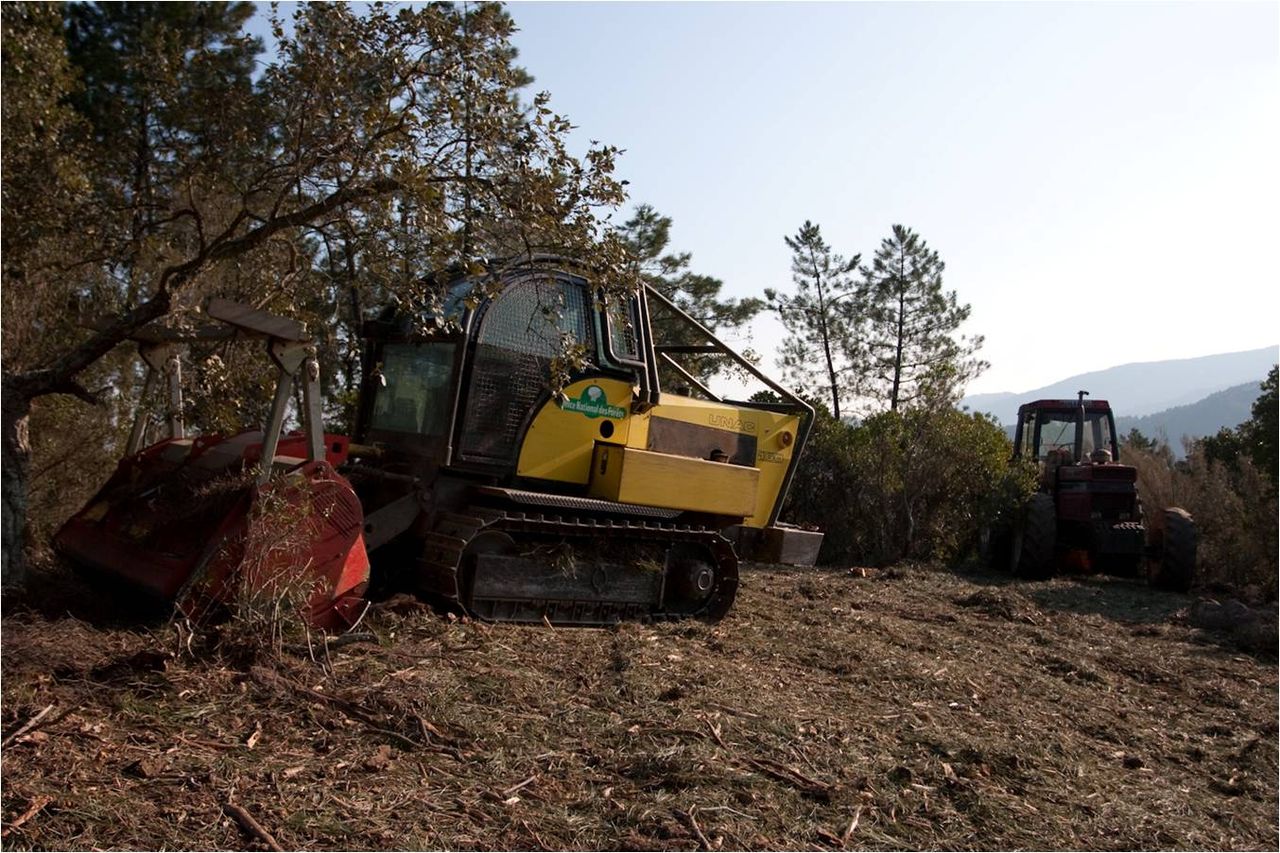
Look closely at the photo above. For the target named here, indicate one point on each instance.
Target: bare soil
(906, 708)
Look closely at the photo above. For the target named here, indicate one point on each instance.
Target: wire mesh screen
(531, 322)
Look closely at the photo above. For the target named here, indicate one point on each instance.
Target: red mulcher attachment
(215, 520)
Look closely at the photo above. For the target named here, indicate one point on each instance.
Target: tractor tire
(1034, 539)
(1176, 569)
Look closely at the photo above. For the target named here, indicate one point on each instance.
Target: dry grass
(904, 708)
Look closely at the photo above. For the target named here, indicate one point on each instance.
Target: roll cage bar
(714, 346)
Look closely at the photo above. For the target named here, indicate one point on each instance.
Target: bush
(822, 487)
(917, 484)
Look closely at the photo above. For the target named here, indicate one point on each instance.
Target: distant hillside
(1226, 408)
(1144, 388)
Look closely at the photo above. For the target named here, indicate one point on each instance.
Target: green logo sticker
(593, 404)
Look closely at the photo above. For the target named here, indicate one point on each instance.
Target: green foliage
(148, 72)
(910, 352)
(820, 319)
(914, 484)
(46, 185)
(1254, 440)
(71, 462)
(765, 396)
(1137, 441)
(1262, 431)
(647, 235)
(1225, 447)
(380, 143)
(821, 488)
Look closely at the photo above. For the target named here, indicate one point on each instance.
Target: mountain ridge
(1226, 408)
(1139, 389)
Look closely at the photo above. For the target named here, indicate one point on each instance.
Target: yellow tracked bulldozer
(471, 478)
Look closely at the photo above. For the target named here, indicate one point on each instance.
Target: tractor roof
(1064, 405)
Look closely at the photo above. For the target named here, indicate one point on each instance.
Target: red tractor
(1086, 514)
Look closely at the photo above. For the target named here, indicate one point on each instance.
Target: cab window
(413, 394)
(1057, 430)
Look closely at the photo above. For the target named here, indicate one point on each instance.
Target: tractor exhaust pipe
(1079, 448)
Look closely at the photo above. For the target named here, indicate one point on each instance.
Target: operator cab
(1074, 429)
(457, 382)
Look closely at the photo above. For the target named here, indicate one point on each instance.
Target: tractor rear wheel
(1177, 567)
(1033, 541)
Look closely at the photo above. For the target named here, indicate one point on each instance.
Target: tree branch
(57, 378)
(174, 278)
(72, 388)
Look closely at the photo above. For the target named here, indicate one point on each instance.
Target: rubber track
(444, 548)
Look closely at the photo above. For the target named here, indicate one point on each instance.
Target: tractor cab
(1066, 431)
(1074, 445)
(459, 382)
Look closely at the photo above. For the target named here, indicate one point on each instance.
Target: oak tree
(144, 172)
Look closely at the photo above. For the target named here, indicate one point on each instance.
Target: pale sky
(1100, 178)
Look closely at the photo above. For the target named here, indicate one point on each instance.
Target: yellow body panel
(633, 476)
(560, 440)
(775, 436)
(563, 436)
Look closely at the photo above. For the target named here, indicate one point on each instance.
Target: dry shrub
(1234, 509)
(273, 583)
(264, 618)
(1157, 486)
(914, 485)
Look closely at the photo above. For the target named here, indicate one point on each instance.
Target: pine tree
(910, 352)
(647, 235)
(1262, 430)
(820, 318)
(149, 72)
(1138, 441)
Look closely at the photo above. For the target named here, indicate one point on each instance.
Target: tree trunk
(897, 354)
(826, 338)
(16, 461)
(831, 374)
